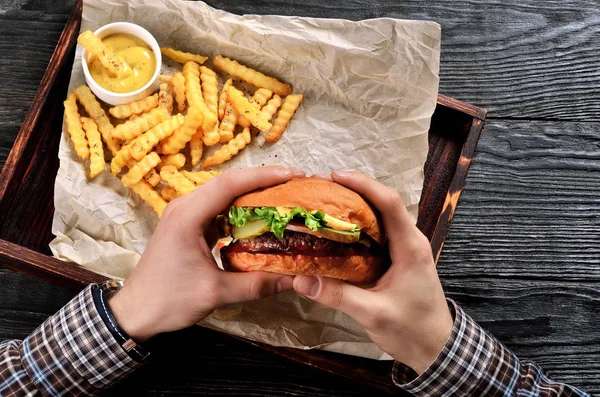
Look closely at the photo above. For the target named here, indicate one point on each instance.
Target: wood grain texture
(522, 255)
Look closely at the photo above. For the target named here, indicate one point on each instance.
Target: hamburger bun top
(316, 194)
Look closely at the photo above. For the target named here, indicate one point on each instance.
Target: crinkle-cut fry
(178, 84)
(165, 97)
(176, 180)
(135, 107)
(169, 194)
(271, 107)
(153, 177)
(260, 97)
(210, 138)
(223, 99)
(94, 110)
(141, 168)
(166, 78)
(121, 159)
(176, 160)
(197, 147)
(228, 151)
(181, 136)
(200, 177)
(97, 162)
(74, 127)
(182, 57)
(150, 196)
(228, 123)
(144, 143)
(245, 108)
(131, 129)
(210, 88)
(251, 76)
(291, 103)
(115, 65)
(193, 92)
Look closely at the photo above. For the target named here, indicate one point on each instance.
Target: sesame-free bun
(319, 194)
(354, 269)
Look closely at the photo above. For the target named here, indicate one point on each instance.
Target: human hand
(177, 282)
(405, 313)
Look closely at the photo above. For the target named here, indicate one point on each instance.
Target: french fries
(182, 57)
(260, 97)
(209, 138)
(154, 140)
(121, 159)
(200, 177)
(92, 107)
(176, 160)
(74, 127)
(165, 98)
(153, 177)
(183, 134)
(135, 107)
(210, 89)
(143, 144)
(291, 103)
(178, 82)
(228, 151)
(197, 147)
(133, 128)
(228, 123)
(245, 108)
(169, 194)
(223, 99)
(97, 162)
(115, 65)
(251, 76)
(176, 180)
(191, 72)
(141, 168)
(271, 107)
(150, 196)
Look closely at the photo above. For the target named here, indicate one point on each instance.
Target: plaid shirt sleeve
(71, 353)
(474, 363)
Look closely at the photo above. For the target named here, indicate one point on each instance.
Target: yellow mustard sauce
(138, 56)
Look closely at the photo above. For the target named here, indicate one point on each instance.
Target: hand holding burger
(406, 312)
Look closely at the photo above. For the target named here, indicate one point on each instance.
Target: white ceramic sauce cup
(115, 98)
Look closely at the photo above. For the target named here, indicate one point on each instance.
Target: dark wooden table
(523, 253)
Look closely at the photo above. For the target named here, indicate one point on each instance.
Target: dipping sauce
(137, 54)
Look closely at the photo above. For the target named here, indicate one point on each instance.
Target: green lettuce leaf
(277, 222)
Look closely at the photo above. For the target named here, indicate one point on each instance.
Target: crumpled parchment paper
(370, 88)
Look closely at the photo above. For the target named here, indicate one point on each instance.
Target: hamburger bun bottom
(354, 269)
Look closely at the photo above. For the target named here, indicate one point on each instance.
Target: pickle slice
(342, 236)
(250, 229)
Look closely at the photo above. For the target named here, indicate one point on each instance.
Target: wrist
(429, 344)
(131, 315)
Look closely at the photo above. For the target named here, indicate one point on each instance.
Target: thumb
(243, 287)
(352, 300)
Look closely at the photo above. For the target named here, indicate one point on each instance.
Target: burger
(307, 226)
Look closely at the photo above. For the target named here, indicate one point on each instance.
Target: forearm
(474, 363)
(71, 353)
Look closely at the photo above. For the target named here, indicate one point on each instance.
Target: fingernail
(284, 172)
(285, 283)
(309, 286)
(297, 172)
(343, 173)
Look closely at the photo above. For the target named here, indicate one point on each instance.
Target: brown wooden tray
(27, 195)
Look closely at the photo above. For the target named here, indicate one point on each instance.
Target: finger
(388, 202)
(243, 287)
(352, 300)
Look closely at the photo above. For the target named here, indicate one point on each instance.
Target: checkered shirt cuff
(73, 352)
